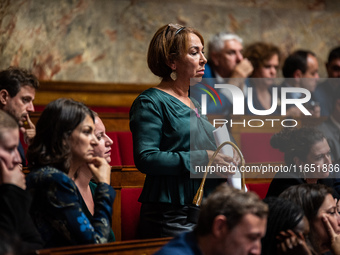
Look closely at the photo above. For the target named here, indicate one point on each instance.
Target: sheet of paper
(221, 135)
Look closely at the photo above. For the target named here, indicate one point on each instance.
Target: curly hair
(294, 142)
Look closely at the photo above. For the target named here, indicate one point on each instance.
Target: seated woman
(64, 142)
(307, 155)
(265, 59)
(82, 177)
(320, 209)
(287, 229)
(170, 135)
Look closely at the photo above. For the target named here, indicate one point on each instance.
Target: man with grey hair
(227, 65)
(231, 221)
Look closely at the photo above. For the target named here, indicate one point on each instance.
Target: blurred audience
(307, 155)
(321, 211)
(231, 221)
(301, 70)
(287, 229)
(324, 91)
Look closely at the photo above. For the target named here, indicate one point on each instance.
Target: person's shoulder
(184, 243)
(47, 175)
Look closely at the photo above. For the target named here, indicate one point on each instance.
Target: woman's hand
(292, 243)
(225, 165)
(100, 169)
(334, 237)
(14, 176)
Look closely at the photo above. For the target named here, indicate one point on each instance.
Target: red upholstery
(126, 148)
(115, 154)
(130, 212)
(260, 189)
(256, 148)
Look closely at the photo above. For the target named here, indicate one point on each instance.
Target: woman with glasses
(170, 135)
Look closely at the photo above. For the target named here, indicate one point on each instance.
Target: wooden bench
(136, 247)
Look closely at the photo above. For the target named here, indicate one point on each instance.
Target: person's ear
(297, 74)
(172, 64)
(219, 228)
(214, 58)
(298, 162)
(4, 96)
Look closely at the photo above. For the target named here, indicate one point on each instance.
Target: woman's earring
(173, 75)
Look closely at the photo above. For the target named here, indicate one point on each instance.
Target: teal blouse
(169, 139)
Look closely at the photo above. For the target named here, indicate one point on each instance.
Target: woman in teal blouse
(170, 136)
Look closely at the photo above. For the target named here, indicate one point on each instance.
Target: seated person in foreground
(14, 200)
(64, 142)
(287, 229)
(82, 178)
(321, 211)
(307, 156)
(231, 221)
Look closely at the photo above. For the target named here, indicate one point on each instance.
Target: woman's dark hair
(283, 215)
(310, 197)
(296, 61)
(295, 142)
(168, 43)
(55, 125)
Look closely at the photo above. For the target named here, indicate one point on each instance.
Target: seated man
(301, 70)
(14, 200)
(231, 221)
(324, 92)
(331, 128)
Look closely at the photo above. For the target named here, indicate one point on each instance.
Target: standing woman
(64, 142)
(162, 120)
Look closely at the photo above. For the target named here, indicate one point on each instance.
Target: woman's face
(267, 70)
(328, 208)
(318, 160)
(83, 141)
(8, 148)
(104, 142)
(191, 65)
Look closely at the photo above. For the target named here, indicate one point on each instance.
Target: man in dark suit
(324, 92)
(17, 92)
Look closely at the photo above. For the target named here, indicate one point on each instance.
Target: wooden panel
(92, 94)
(145, 247)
